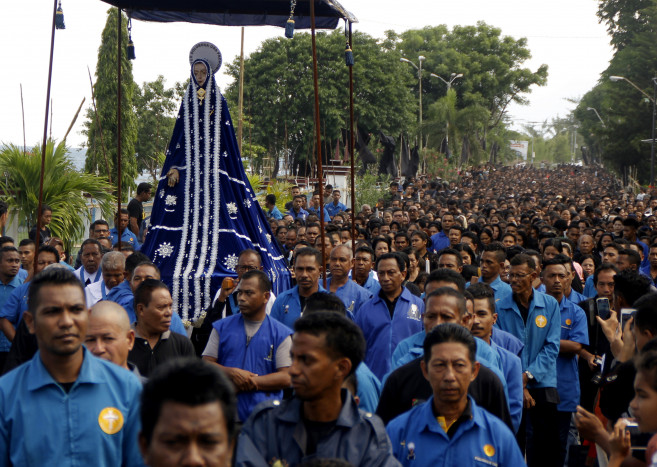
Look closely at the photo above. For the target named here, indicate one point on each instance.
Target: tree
(102, 155)
(279, 98)
(64, 189)
(155, 108)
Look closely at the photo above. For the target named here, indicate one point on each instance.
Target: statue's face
(200, 73)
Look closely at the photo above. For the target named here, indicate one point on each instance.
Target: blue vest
(258, 356)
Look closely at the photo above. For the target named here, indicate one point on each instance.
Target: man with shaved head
(109, 335)
(352, 295)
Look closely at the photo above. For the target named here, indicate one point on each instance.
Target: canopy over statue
(205, 211)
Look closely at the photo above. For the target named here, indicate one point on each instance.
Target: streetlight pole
(652, 140)
(421, 58)
(599, 117)
(452, 77)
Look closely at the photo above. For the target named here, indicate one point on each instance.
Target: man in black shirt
(136, 208)
(154, 342)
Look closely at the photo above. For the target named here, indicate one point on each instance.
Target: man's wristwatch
(530, 377)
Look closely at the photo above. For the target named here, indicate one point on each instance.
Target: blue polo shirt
(287, 307)
(301, 215)
(351, 294)
(127, 237)
(333, 209)
(382, 333)
(573, 328)
(481, 440)
(95, 423)
(540, 335)
(5, 292)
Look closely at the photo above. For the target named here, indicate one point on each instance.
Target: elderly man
(450, 428)
(155, 343)
(38, 399)
(109, 335)
(89, 272)
(112, 267)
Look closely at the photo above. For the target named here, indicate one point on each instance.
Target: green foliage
(64, 189)
(439, 166)
(106, 92)
(155, 108)
(279, 96)
(626, 112)
(370, 188)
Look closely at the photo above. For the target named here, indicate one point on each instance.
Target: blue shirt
(589, 287)
(315, 211)
(351, 294)
(16, 304)
(369, 388)
(302, 214)
(287, 307)
(5, 293)
(573, 328)
(439, 241)
(22, 274)
(512, 368)
(576, 297)
(333, 209)
(500, 288)
(127, 236)
(382, 333)
(41, 424)
(257, 355)
(506, 340)
(540, 335)
(275, 213)
(372, 285)
(481, 440)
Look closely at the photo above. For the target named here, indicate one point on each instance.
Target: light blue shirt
(351, 294)
(41, 424)
(287, 307)
(5, 291)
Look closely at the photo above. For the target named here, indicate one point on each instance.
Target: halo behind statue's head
(208, 52)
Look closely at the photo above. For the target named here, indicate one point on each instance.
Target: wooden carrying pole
(37, 240)
(318, 134)
(351, 151)
(118, 134)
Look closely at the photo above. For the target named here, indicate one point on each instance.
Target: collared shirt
(383, 333)
(5, 292)
(418, 440)
(351, 294)
(169, 346)
(333, 209)
(276, 432)
(576, 297)
(315, 211)
(512, 368)
(84, 276)
(16, 304)
(540, 335)
(500, 288)
(275, 213)
(371, 284)
(287, 307)
(127, 236)
(302, 214)
(573, 328)
(369, 388)
(506, 340)
(95, 423)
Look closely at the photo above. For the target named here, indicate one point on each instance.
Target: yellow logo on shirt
(569, 322)
(110, 420)
(541, 321)
(489, 450)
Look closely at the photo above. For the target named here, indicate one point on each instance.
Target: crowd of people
(505, 318)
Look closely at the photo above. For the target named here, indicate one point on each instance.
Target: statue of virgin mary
(205, 211)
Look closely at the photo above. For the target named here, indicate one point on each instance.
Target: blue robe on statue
(201, 224)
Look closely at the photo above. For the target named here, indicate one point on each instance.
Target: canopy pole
(37, 239)
(118, 132)
(318, 134)
(351, 151)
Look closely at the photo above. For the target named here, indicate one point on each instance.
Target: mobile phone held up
(604, 311)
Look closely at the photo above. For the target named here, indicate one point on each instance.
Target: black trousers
(543, 446)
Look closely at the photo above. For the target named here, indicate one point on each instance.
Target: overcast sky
(563, 34)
